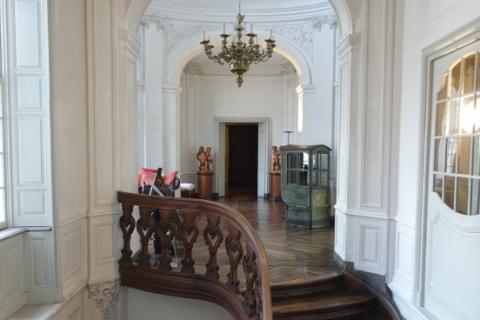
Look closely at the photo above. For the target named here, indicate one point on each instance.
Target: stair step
(309, 287)
(335, 304)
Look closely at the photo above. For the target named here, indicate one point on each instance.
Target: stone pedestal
(275, 185)
(205, 185)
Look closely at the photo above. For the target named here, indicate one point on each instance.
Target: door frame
(264, 156)
(454, 41)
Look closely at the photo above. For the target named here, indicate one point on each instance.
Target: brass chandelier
(239, 54)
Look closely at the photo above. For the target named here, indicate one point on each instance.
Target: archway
(301, 63)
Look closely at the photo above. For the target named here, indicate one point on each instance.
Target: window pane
(469, 74)
(462, 196)
(464, 155)
(438, 184)
(2, 206)
(475, 197)
(449, 191)
(455, 80)
(476, 156)
(441, 120)
(476, 115)
(478, 71)
(452, 117)
(467, 115)
(451, 160)
(442, 94)
(440, 152)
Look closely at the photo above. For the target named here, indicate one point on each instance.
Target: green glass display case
(306, 185)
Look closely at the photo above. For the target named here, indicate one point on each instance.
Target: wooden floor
(294, 253)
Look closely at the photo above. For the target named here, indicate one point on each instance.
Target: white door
(452, 274)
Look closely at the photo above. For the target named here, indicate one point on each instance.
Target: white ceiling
(231, 6)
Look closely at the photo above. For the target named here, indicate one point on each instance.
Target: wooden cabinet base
(205, 185)
(275, 186)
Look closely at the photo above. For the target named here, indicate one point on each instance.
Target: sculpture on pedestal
(276, 162)
(205, 159)
(205, 173)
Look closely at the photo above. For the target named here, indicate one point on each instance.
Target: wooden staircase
(339, 297)
(232, 267)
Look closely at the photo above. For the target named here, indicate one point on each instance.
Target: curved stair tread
(335, 300)
(306, 287)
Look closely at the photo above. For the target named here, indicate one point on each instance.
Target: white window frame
(4, 111)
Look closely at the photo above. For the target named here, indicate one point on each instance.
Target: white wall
(146, 305)
(208, 98)
(435, 19)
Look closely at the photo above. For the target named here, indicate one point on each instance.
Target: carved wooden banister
(207, 251)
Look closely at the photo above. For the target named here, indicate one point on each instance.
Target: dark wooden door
(242, 155)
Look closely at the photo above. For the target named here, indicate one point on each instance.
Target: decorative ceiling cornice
(305, 12)
(300, 32)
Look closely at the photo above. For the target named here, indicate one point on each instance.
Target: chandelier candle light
(240, 55)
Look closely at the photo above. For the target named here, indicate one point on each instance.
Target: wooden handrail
(179, 222)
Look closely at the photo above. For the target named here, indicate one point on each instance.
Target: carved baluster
(213, 238)
(258, 296)
(188, 231)
(235, 255)
(145, 230)
(251, 274)
(127, 224)
(166, 232)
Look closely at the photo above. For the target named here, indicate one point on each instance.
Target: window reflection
(449, 192)
(462, 196)
(456, 158)
(475, 197)
(468, 74)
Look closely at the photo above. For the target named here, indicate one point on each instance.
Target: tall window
(3, 211)
(456, 176)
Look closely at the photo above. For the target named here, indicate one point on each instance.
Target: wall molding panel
(364, 153)
(12, 282)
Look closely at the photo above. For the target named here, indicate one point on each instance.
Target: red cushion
(170, 177)
(146, 176)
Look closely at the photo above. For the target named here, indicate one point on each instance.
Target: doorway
(453, 196)
(241, 159)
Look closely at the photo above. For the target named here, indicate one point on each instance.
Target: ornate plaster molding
(105, 295)
(318, 22)
(193, 69)
(287, 69)
(299, 32)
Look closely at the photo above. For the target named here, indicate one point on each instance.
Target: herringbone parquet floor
(294, 253)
